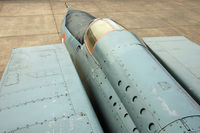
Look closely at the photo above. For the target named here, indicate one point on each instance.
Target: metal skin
(41, 92)
(180, 57)
(132, 91)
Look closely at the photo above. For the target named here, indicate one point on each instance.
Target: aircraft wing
(40, 92)
(181, 57)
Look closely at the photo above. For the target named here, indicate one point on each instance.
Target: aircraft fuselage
(132, 91)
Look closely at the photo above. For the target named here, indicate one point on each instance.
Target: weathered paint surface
(40, 91)
(181, 57)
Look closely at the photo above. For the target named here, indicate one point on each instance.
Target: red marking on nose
(86, 56)
(63, 37)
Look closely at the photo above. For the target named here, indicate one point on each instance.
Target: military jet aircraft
(133, 87)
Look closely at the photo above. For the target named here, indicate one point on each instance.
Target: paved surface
(37, 22)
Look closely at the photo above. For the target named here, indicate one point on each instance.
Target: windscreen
(97, 29)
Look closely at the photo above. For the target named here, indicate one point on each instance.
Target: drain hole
(125, 115)
(127, 87)
(114, 103)
(79, 47)
(119, 82)
(110, 97)
(142, 110)
(134, 98)
(151, 126)
(134, 129)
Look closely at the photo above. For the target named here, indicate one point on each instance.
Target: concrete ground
(37, 22)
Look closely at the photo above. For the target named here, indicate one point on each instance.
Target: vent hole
(125, 115)
(127, 87)
(110, 97)
(151, 126)
(134, 129)
(134, 98)
(114, 104)
(79, 47)
(119, 82)
(142, 110)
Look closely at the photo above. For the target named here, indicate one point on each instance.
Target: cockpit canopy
(97, 29)
(87, 29)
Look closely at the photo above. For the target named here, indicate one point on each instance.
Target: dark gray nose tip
(77, 22)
